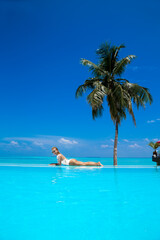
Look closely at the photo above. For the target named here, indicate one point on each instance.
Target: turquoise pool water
(40, 202)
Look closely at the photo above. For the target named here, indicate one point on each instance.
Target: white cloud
(38, 143)
(135, 68)
(155, 139)
(125, 140)
(146, 139)
(15, 143)
(148, 68)
(134, 146)
(104, 146)
(153, 121)
(41, 145)
(67, 141)
(150, 121)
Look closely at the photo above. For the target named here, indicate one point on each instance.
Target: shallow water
(79, 202)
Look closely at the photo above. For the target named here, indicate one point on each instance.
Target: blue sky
(41, 45)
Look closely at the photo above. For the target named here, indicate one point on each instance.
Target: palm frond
(97, 111)
(139, 95)
(121, 65)
(117, 51)
(115, 56)
(108, 56)
(89, 84)
(97, 70)
(95, 100)
(154, 145)
(123, 101)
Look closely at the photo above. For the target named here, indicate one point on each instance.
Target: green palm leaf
(154, 145)
(121, 65)
(94, 68)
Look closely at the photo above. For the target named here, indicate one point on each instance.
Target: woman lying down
(72, 162)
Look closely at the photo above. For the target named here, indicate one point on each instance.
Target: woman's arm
(59, 158)
(55, 164)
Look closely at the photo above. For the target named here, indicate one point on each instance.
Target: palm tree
(107, 84)
(154, 146)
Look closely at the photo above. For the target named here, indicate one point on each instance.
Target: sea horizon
(36, 160)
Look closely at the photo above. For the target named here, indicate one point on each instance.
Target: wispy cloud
(125, 140)
(67, 141)
(41, 146)
(153, 121)
(14, 143)
(136, 68)
(134, 146)
(104, 146)
(150, 121)
(38, 143)
(146, 139)
(43, 142)
(155, 139)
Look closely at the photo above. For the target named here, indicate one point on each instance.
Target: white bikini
(65, 161)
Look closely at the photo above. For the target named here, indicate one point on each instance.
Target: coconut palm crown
(154, 145)
(107, 84)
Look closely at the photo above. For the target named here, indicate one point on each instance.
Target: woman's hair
(54, 148)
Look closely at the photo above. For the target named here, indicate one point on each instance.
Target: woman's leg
(74, 162)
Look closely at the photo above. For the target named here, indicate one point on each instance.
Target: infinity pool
(38, 202)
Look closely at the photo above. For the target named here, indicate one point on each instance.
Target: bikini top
(59, 158)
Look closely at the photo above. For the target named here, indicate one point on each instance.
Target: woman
(72, 162)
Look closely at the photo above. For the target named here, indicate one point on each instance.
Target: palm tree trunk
(115, 144)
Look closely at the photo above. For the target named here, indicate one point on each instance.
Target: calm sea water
(47, 160)
(40, 202)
